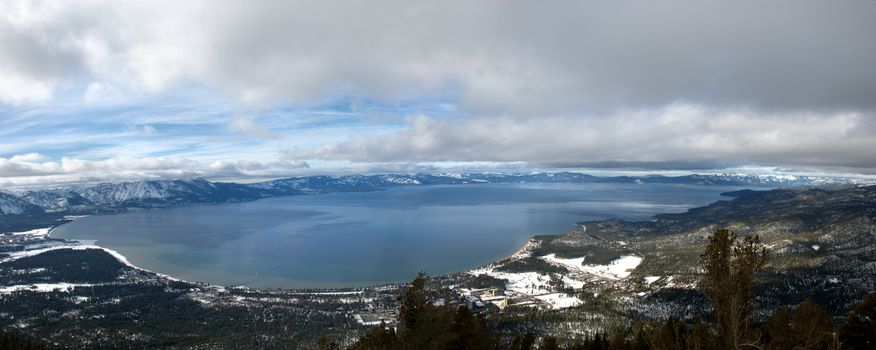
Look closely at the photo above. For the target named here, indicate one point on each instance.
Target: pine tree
(730, 266)
(670, 335)
(414, 304)
(549, 343)
(618, 341)
(523, 343)
(859, 331)
(423, 325)
(380, 338)
(701, 336)
(807, 327)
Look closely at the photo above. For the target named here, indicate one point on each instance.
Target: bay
(367, 238)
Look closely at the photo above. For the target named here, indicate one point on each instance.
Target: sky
(96, 90)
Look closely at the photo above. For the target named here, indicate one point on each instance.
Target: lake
(367, 238)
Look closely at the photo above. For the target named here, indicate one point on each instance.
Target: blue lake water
(356, 239)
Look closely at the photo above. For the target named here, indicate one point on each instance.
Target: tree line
(730, 264)
(14, 341)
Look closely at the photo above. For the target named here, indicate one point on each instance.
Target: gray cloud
(677, 137)
(520, 58)
(662, 85)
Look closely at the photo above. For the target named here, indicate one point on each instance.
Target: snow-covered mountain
(163, 193)
(127, 193)
(112, 197)
(57, 200)
(12, 205)
(322, 184)
(750, 180)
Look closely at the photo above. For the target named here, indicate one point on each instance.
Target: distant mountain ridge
(12, 205)
(123, 196)
(113, 197)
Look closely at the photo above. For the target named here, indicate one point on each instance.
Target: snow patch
(353, 292)
(358, 318)
(38, 232)
(576, 264)
(559, 300)
(651, 279)
(42, 287)
(617, 269)
(529, 283)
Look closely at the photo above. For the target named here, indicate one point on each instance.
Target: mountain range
(122, 196)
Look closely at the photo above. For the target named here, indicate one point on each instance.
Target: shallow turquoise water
(355, 239)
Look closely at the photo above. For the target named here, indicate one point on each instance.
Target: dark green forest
(13, 341)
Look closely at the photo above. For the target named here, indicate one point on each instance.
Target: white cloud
(32, 169)
(29, 157)
(680, 136)
(98, 92)
(249, 128)
(521, 58)
(15, 89)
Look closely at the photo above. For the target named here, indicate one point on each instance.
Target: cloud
(30, 157)
(15, 89)
(32, 169)
(669, 85)
(249, 128)
(677, 137)
(252, 168)
(495, 57)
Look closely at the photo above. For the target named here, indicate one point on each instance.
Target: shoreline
(52, 243)
(76, 244)
(73, 243)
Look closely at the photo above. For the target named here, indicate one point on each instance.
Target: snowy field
(538, 284)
